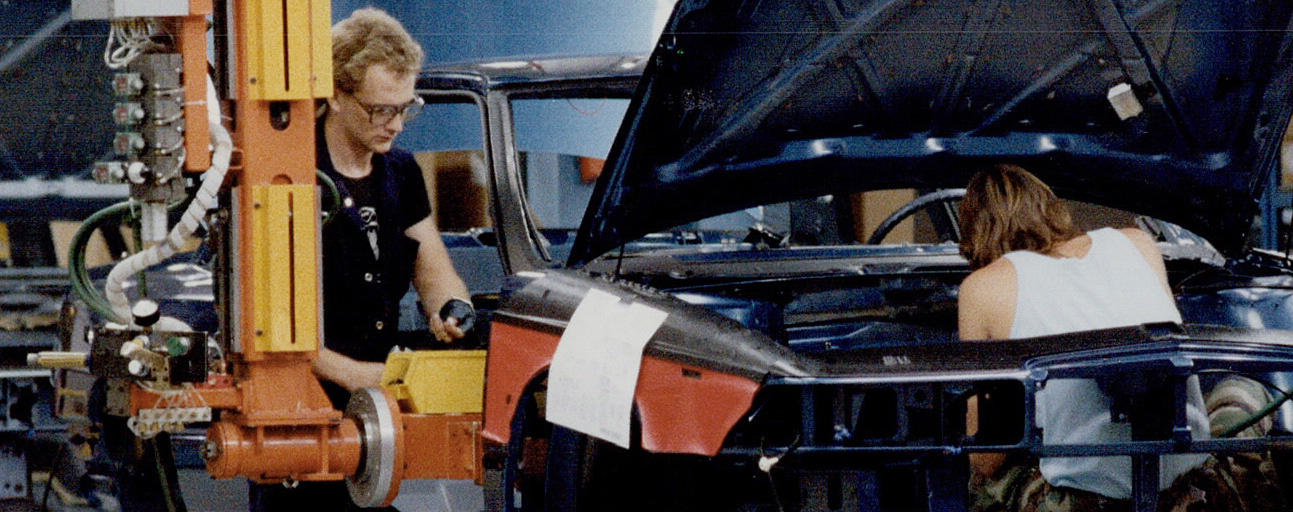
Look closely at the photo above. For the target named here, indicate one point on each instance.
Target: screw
(210, 450)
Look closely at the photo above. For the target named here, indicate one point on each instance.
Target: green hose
(335, 207)
(81, 284)
(1257, 416)
(137, 229)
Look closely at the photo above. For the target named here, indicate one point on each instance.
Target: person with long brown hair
(1035, 274)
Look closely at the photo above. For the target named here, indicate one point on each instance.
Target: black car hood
(747, 103)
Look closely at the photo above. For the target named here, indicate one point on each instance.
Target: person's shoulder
(986, 301)
(1140, 239)
(1137, 235)
(1001, 269)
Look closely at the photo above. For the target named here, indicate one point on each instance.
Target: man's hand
(445, 331)
(435, 279)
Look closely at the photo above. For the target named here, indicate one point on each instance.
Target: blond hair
(368, 37)
(1007, 209)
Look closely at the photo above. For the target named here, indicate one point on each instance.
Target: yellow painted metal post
(284, 56)
(283, 246)
(290, 49)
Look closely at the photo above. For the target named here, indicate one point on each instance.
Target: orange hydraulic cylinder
(271, 454)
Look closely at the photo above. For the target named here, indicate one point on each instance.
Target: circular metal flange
(377, 481)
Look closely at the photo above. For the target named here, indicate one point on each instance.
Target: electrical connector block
(127, 84)
(128, 143)
(110, 172)
(150, 422)
(128, 113)
(176, 414)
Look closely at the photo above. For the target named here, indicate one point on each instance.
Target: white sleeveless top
(1112, 286)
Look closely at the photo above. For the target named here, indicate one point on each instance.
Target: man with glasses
(384, 236)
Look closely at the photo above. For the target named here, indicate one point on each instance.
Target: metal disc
(376, 483)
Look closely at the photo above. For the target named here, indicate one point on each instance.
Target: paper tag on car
(595, 368)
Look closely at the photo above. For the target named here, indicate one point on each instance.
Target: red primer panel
(526, 352)
(689, 410)
(682, 409)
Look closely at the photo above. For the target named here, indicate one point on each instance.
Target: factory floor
(205, 494)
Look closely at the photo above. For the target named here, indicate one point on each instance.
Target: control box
(112, 9)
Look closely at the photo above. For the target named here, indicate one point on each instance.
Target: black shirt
(364, 277)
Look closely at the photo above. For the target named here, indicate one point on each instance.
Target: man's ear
(333, 104)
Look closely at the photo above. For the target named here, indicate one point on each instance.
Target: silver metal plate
(376, 477)
(14, 482)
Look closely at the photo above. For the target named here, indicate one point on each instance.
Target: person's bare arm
(347, 372)
(985, 311)
(435, 278)
(986, 303)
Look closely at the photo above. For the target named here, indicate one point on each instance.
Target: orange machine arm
(283, 426)
(280, 424)
(271, 420)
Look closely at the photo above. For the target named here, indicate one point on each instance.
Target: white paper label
(595, 368)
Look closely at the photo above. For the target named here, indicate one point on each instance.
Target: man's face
(361, 113)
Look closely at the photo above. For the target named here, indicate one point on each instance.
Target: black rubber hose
(164, 457)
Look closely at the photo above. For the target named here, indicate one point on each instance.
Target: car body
(786, 363)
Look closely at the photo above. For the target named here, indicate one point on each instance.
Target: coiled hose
(81, 284)
(203, 200)
(84, 288)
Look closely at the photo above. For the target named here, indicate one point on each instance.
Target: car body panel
(681, 409)
(697, 353)
(748, 104)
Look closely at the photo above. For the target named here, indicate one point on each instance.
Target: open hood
(1169, 108)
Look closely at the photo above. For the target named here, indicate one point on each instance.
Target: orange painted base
(442, 446)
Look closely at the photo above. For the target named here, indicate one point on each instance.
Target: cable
(81, 283)
(127, 40)
(165, 465)
(331, 186)
(58, 458)
(767, 463)
(1263, 412)
(137, 232)
(203, 200)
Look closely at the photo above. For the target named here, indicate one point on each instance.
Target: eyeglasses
(379, 115)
